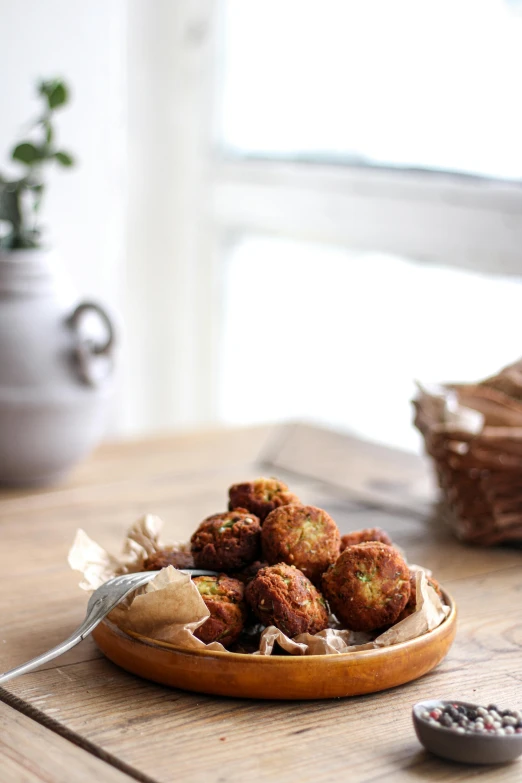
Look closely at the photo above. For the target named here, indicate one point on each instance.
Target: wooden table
(80, 718)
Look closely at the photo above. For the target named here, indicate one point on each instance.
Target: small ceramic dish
(278, 676)
(466, 748)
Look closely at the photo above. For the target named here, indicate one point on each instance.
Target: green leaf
(26, 153)
(58, 96)
(64, 158)
(55, 91)
(48, 131)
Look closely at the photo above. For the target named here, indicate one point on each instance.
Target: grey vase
(55, 379)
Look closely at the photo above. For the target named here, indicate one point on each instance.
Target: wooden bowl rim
(440, 630)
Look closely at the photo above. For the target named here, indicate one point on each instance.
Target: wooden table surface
(82, 718)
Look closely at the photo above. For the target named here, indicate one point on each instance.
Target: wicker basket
(474, 435)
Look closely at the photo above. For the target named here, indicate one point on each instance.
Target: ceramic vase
(55, 376)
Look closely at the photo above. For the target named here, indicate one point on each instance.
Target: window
(360, 152)
(430, 84)
(324, 333)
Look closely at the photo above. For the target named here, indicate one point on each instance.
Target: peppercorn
(469, 720)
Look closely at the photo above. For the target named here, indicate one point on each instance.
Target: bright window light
(318, 333)
(419, 83)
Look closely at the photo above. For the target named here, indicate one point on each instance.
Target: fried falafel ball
(412, 600)
(368, 586)
(223, 597)
(249, 572)
(260, 496)
(227, 542)
(165, 557)
(281, 595)
(368, 534)
(304, 536)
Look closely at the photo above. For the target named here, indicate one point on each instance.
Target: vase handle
(86, 351)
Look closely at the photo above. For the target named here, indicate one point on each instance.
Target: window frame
(208, 197)
(444, 219)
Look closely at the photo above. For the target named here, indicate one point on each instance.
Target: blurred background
(297, 208)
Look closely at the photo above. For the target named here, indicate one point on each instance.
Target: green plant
(20, 199)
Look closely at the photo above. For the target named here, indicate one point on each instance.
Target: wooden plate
(278, 677)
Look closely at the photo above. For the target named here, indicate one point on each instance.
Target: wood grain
(169, 735)
(187, 453)
(175, 735)
(31, 753)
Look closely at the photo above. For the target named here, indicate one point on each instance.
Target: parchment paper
(169, 608)
(453, 415)
(429, 613)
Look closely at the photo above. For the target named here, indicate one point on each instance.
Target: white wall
(127, 221)
(168, 308)
(84, 208)
(84, 43)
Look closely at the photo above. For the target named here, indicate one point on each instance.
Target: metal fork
(101, 602)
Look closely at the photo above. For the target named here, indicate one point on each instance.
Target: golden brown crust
(281, 595)
(227, 542)
(304, 536)
(260, 496)
(223, 597)
(368, 534)
(165, 557)
(368, 586)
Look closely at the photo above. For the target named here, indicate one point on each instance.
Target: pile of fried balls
(284, 564)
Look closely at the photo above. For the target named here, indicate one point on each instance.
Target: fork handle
(94, 617)
(96, 612)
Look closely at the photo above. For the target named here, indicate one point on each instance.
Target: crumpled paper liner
(329, 641)
(450, 412)
(97, 565)
(471, 407)
(429, 613)
(169, 608)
